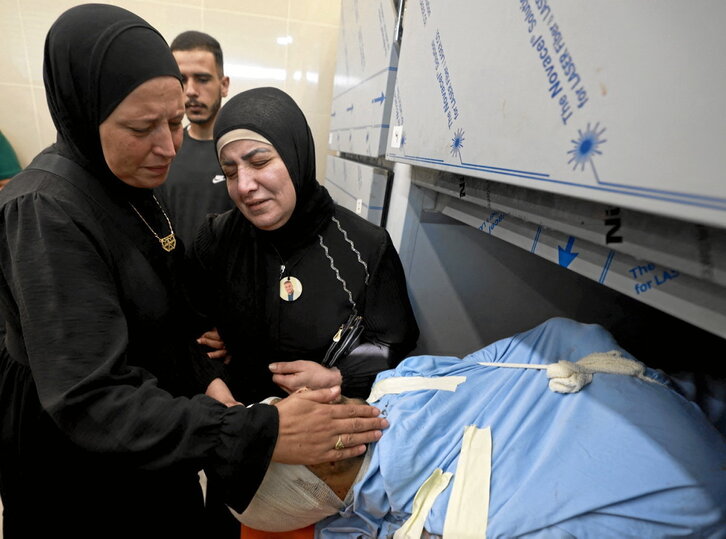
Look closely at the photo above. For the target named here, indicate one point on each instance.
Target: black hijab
(96, 55)
(275, 115)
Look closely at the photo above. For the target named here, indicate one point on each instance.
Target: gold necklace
(168, 243)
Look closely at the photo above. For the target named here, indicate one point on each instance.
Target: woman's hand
(313, 431)
(212, 339)
(294, 375)
(218, 389)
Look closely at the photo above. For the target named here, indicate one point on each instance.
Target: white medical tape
(422, 503)
(467, 514)
(402, 384)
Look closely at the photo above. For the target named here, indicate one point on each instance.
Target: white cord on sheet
(569, 377)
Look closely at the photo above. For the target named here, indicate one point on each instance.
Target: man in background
(196, 185)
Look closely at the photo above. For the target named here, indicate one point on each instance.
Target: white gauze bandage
(290, 497)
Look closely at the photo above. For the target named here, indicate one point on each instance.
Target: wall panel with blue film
(615, 102)
(359, 187)
(364, 77)
(676, 267)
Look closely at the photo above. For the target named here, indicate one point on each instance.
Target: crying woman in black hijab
(288, 267)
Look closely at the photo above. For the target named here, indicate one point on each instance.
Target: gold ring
(339, 444)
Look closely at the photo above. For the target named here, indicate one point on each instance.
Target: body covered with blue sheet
(623, 456)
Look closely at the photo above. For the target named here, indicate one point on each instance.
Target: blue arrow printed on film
(379, 99)
(566, 255)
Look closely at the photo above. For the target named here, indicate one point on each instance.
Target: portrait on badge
(290, 288)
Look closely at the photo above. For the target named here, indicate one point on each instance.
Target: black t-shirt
(195, 187)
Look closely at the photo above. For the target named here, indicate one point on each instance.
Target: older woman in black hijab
(288, 230)
(102, 425)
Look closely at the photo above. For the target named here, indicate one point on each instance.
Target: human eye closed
(140, 130)
(229, 170)
(260, 161)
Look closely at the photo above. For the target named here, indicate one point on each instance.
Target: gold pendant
(168, 242)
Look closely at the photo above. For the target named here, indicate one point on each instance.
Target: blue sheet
(621, 458)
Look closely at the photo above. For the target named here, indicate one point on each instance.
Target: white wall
(246, 29)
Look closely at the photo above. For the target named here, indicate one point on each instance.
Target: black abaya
(100, 435)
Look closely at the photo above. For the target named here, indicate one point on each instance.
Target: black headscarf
(96, 55)
(275, 115)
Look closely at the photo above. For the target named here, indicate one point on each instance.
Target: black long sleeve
(89, 316)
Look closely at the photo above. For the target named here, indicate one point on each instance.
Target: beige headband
(238, 134)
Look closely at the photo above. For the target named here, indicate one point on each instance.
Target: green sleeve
(9, 165)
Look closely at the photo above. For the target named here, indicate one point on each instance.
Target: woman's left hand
(294, 375)
(212, 339)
